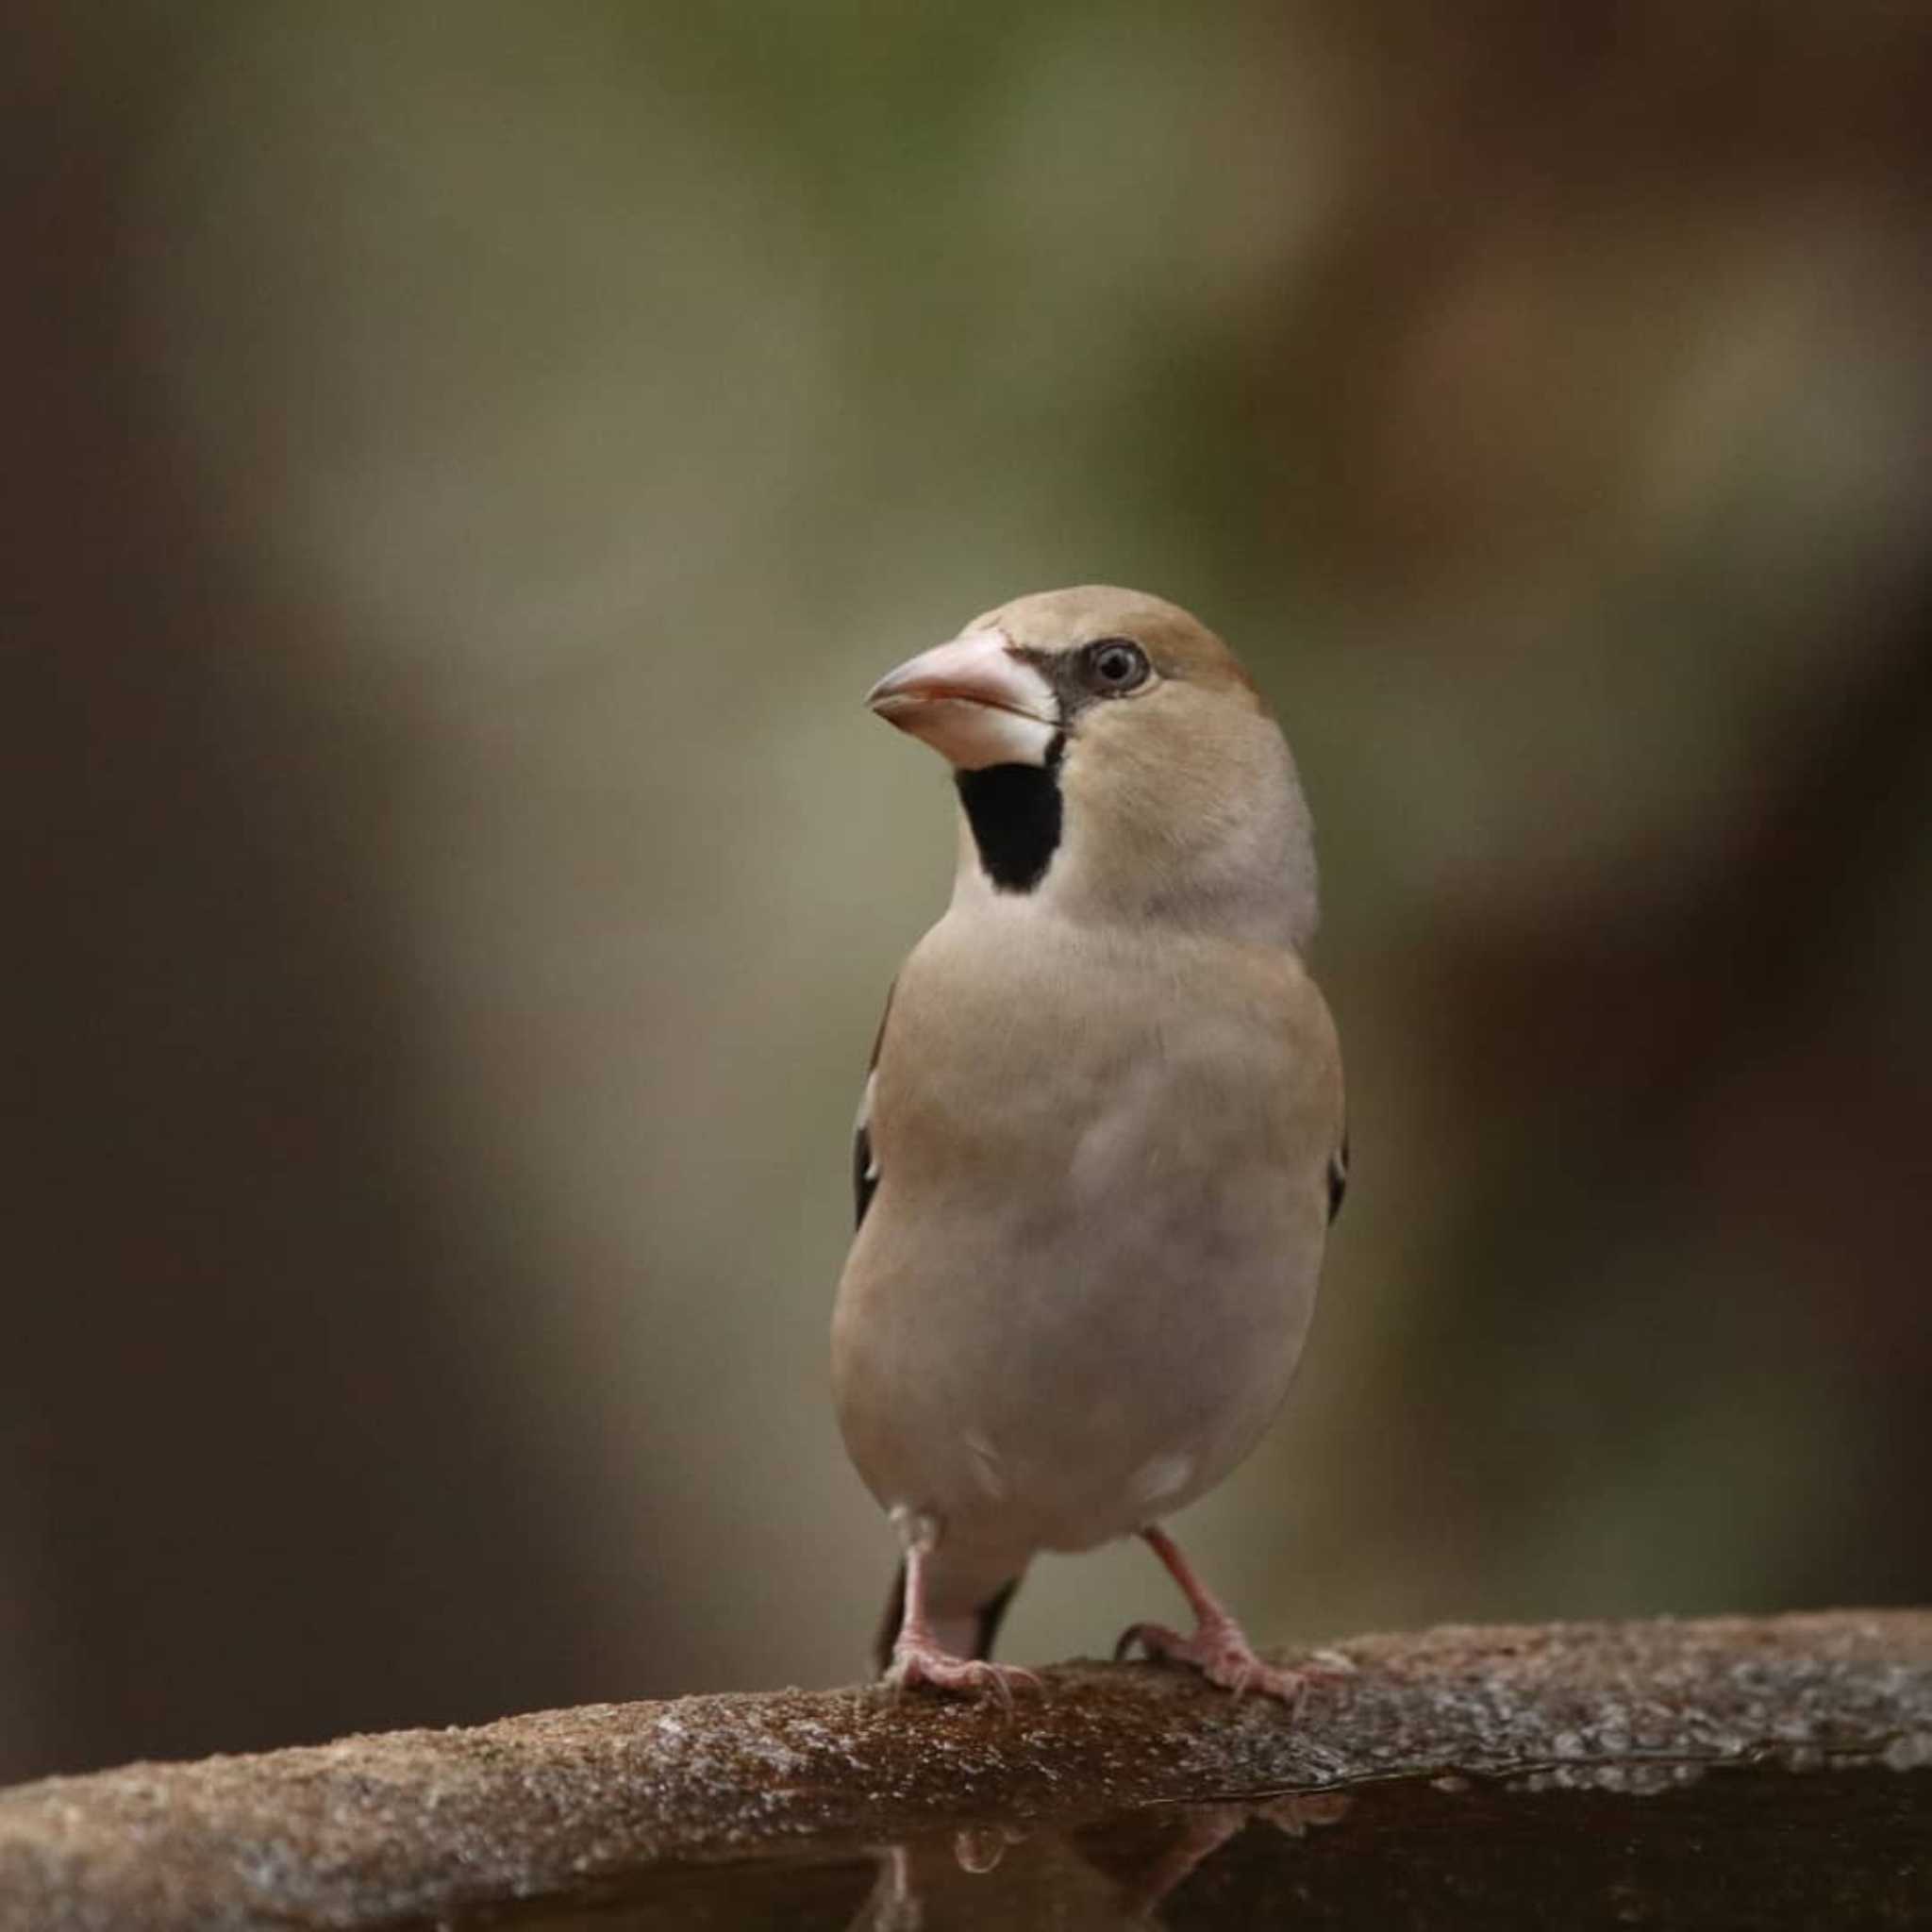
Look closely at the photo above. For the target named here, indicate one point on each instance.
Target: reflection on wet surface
(1660, 1845)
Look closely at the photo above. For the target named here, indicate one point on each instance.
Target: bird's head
(1113, 757)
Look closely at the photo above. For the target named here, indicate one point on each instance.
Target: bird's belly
(1120, 1367)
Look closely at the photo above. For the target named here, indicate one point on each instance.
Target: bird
(1102, 1136)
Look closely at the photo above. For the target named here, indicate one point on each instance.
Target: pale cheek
(974, 737)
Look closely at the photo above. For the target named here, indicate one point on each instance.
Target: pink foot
(1223, 1655)
(919, 1660)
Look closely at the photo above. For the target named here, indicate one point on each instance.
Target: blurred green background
(467, 465)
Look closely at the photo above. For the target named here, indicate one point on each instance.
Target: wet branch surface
(374, 1831)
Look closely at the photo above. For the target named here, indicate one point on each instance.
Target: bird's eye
(1116, 666)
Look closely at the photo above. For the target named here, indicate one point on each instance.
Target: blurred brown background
(466, 465)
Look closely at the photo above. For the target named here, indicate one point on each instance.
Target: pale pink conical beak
(973, 701)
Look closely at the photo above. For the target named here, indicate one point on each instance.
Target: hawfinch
(1102, 1137)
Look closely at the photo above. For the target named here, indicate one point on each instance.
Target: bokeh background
(465, 466)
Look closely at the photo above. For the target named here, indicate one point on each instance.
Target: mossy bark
(1832, 1710)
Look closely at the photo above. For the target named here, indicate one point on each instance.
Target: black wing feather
(865, 1177)
(865, 1169)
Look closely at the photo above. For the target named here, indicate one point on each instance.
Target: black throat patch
(1015, 814)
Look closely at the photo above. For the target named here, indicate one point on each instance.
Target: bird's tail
(970, 1633)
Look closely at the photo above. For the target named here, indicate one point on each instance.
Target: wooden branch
(371, 1830)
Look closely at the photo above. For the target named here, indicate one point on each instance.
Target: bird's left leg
(1219, 1648)
(919, 1656)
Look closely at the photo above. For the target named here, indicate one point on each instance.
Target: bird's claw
(1330, 1667)
(1223, 1656)
(914, 1663)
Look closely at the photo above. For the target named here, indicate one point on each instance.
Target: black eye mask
(1106, 667)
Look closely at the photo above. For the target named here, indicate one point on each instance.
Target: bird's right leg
(918, 1656)
(1219, 1648)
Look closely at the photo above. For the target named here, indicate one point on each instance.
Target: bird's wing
(865, 1167)
(1314, 1049)
(1338, 1175)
